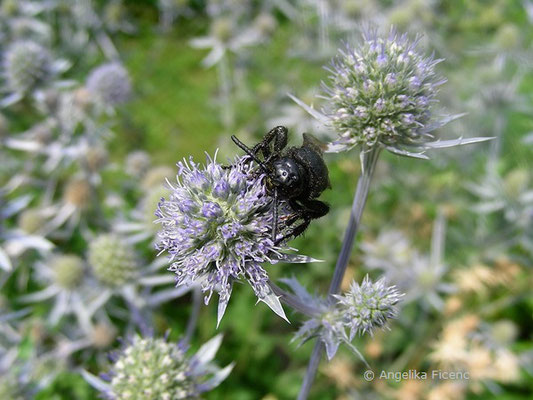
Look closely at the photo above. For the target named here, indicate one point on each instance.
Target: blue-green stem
(195, 311)
(368, 165)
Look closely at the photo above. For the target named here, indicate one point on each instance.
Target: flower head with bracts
(154, 368)
(364, 308)
(216, 226)
(381, 94)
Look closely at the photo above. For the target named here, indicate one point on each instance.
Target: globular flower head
(381, 92)
(110, 83)
(222, 29)
(150, 368)
(68, 270)
(31, 220)
(368, 305)
(113, 261)
(216, 226)
(27, 64)
(363, 308)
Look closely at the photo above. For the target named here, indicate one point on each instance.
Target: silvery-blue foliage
(326, 325)
(510, 195)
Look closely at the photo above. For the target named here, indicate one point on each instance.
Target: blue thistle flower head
(216, 226)
(381, 92)
(368, 305)
(27, 64)
(363, 308)
(110, 83)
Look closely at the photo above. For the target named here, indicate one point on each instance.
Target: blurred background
(100, 99)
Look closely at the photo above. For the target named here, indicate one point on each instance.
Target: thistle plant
(216, 227)
(14, 240)
(508, 198)
(420, 276)
(77, 231)
(152, 368)
(382, 94)
(31, 220)
(68, 271)
(231, 32)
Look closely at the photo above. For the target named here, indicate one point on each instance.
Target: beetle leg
(275, 216)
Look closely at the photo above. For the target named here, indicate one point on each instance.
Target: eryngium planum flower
(27, 64)
(68, 270)
(362, 309)
(113, 261)
(382, 92)
(216, 227)
(154, 369)
(110, 83)
(368, 305)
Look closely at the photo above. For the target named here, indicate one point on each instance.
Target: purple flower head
(216, 226)
(110, 83)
